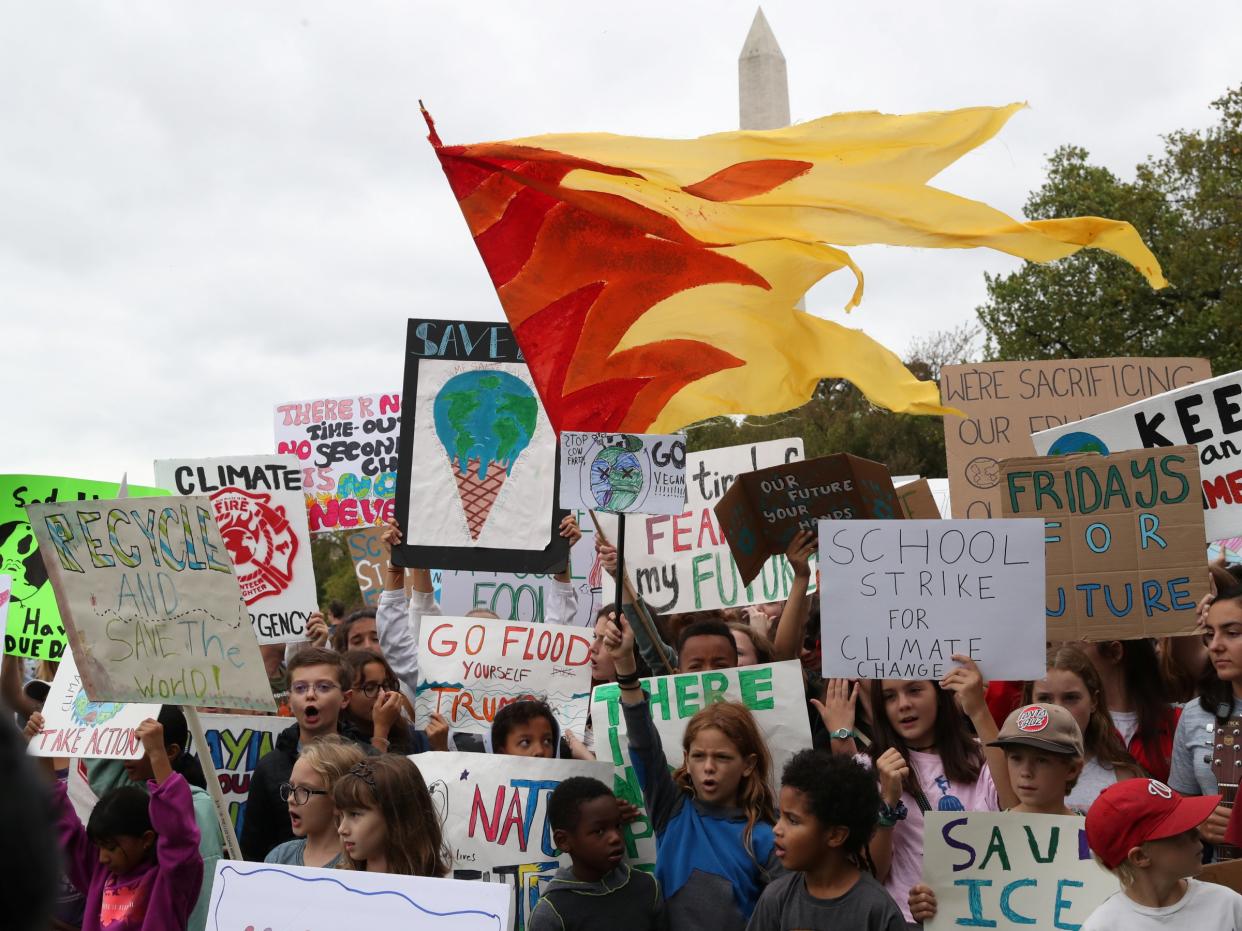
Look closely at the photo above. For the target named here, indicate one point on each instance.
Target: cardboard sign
(470, 668)
(763, 511)
(917, 501)
(908, 595)
(683, 562)
(1006, 870)
(75, 726)
(261, 513)
(281, 898)
(1226, 873)
(367, 551)
(476, 483)
(33, 626)
(1005, 402)
(348, 450)
(494, 811)
(150, 603)
(236, 743)
(1124, 540)
(624, 473)
(773, 692)
(1207, 415)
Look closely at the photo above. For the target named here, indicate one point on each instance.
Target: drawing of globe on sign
(89, 713)
(1077, 442)
(485, 419)
(617, 475)
(260, 541)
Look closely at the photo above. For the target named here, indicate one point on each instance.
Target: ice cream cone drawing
(485, 418)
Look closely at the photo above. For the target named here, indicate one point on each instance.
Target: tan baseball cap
(1046, 727)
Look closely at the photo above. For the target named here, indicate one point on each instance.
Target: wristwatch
(841, 733)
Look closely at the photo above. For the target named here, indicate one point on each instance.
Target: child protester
(712, 817)
(829, 808)
(1147, 835)
(308, 793)
(599, 891)
(382, 714)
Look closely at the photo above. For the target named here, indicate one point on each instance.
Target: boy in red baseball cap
(1145, 833)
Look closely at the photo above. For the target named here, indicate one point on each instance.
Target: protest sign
(75, 726)
(494, 810)
(235, 744)
(917, 501)
(1207, 415)
(276, 897)
(773, 692)
(1223, 873)
(763, 511)
(150, 603)
(1124, 540)
(470, 668)
(367, 551)
(33, 626)
(476, 482)
(623, 473)
(347, 448)
(1006, 870)
(262, 517)
(1005, 402)
(682, 562)
(908, 594)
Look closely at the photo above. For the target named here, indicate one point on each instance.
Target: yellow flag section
(652, 283)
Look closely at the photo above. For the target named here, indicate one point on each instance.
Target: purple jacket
(156, 896)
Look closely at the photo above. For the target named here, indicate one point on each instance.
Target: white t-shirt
(1095, 779)
(1127, 725)
(1204, 906)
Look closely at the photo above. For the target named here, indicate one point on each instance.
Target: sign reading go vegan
(1123, 542)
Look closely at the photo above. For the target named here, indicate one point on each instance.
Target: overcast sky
(207, 209)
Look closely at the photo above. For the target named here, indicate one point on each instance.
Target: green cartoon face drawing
(616, 478)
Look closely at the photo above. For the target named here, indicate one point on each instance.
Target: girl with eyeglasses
(308, 793)
(382, 714)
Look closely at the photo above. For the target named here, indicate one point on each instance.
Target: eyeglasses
(371, 689)
(300, 794)
(322, 687)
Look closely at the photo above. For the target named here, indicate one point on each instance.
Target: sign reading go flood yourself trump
(150, 603)
(262, 518)
(1123, 540)
(909, 594)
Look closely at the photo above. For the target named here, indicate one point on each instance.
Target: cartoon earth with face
(617, 476)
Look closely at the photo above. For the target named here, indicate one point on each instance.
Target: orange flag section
(651, 283)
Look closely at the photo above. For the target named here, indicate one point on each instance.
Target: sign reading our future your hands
(150, 602)
(623, 473)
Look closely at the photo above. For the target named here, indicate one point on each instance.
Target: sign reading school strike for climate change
(347, 448)
(1005, 402)
(469, 668)
(909, 594)
(1207, 415)
(236, 743)
(150, 603)
(1006, 870)
(1123, 540)
(763, 511)
(494, 810)
(262, 518)
(33, 625)
(773, 692)
(682, 562)
(624, 473)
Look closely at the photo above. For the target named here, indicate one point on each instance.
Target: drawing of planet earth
(1077, 442)
(94, 713)
(617, 477)
(485, 414)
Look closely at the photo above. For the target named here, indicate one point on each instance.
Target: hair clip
(364, 771)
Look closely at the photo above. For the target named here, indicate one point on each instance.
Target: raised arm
(967, 682)
(791, 628)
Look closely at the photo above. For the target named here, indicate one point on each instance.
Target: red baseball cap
(1134, 811)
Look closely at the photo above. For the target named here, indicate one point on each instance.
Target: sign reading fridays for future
(150, 603)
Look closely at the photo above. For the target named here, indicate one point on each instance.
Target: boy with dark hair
(526, 728)
(319, 688)
(829, 809)
(599, 891)
(705, 645)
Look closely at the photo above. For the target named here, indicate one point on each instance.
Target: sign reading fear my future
(1123, 540)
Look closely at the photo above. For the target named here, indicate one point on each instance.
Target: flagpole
(640, 607)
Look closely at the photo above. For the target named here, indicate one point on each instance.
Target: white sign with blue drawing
(624, 473)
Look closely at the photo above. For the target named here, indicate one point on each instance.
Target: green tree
(334, 571)
(1187, 204)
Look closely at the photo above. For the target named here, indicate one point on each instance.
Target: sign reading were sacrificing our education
(470, 668)
(262, 517)
(494, 810)
(1123, 541)
(624, 473)
(769, 691)
(1005, 402)
(682, 562)
(236, 743)
(150, 603)
(347, 448)
(1207, 415)
(909, 594)
(1006, 870)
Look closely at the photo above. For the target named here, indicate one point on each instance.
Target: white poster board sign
(236, 743)
(908, 594)
(624, 473)
(262, 516)
(150, 603)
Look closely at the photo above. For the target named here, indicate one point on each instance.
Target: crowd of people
(1123, 733)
